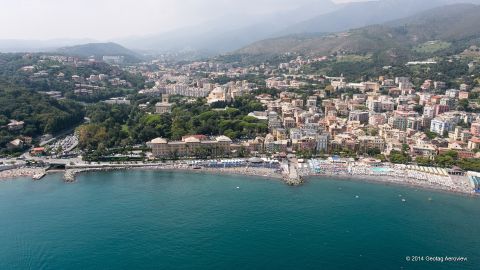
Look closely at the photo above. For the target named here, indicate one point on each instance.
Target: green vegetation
(22, 97)
(122, 125)
(432, 47)
(10, 65)
(363, 52)
(398, 157)
(447, 25)
(40, 113)
(100, 95)
(354, 58)
(373, 152)
(450, 159)
(101, 49)
(470, 164)
(423, 161)
(446, 160)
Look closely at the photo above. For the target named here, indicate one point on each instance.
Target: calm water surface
(161, 220)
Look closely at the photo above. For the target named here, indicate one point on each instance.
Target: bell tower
(165, 98)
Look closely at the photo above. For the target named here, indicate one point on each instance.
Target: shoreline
(255, 172)
(20, 172)
(388, 181)
(273, 176)
(70, 175)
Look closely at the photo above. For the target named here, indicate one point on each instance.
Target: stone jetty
(292, 177)
(70, 174)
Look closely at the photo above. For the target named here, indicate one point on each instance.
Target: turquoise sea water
(161, 220)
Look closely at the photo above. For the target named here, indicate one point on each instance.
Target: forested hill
(40, 113)
(99, 50)
(458, 23)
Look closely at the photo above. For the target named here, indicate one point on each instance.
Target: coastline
(260, 173)
(71, 173)
(20, 172)
(389, 181)
(249, 173)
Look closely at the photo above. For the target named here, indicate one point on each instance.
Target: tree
(447, 159)
(373, 152)
(431, 135)
(91, 135)
(463, 105)
(471, 164)
(418, 108)
(399, 157)
(423, 161)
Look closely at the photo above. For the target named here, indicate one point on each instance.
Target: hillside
(40, 113)
(230, 32)
(453, 23)
(361, 14)
(18, 45)
(98, 50)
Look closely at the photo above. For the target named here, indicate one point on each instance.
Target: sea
(171, 220)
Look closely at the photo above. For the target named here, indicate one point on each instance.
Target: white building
(441, 125)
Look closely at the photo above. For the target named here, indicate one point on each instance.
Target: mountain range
(458, 23)
(313, 26)
(359, 14)
(229, 33)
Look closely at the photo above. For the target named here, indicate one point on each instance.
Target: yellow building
(191, 146)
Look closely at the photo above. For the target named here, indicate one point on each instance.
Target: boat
(197, 167)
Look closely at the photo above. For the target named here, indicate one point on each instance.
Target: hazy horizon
(108, 19)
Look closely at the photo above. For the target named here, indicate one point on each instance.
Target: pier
(292, 177)
(39, 175)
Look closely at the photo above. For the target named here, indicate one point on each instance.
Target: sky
(109, 19)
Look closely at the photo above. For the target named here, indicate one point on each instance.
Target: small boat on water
(38, 176)
(197, 167)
